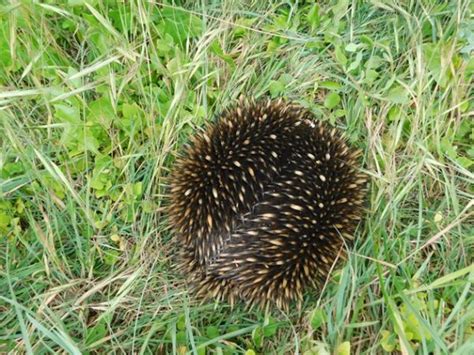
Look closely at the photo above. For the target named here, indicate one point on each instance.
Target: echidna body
(263, 202)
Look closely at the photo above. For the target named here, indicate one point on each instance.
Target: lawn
(98, 97)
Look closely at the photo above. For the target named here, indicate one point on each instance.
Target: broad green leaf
(212, 331)
(181, 324)
(340, 8)
(374, 62)
(331, 85)
(111, 257)
(352, 47)
(257, 336)
(397, 95)
(179, 24)
(242, 25)
(340, 56)
(355, 64)
(271, 328)
(4, 220)
(276, 88)
(313, 17)
(96, 332)
(464, 162)
(101, 111)
(389, 341)
(332, 100)
(318, 318)
(344, 348)
(370, 76)
(137, 189)
(181, 337)
(67, 113)
(217, 49)
(164, 46)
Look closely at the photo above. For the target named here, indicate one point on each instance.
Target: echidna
(263, 202)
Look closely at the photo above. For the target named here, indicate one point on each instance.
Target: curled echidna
(263, 202)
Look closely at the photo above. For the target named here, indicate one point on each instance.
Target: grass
(97, 98)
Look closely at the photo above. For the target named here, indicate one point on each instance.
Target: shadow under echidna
(263, 202)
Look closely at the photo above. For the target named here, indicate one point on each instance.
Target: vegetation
(96, 99)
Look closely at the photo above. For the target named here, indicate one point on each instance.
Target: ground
(98, 97)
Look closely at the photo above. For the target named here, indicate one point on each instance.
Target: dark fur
(263, 202)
